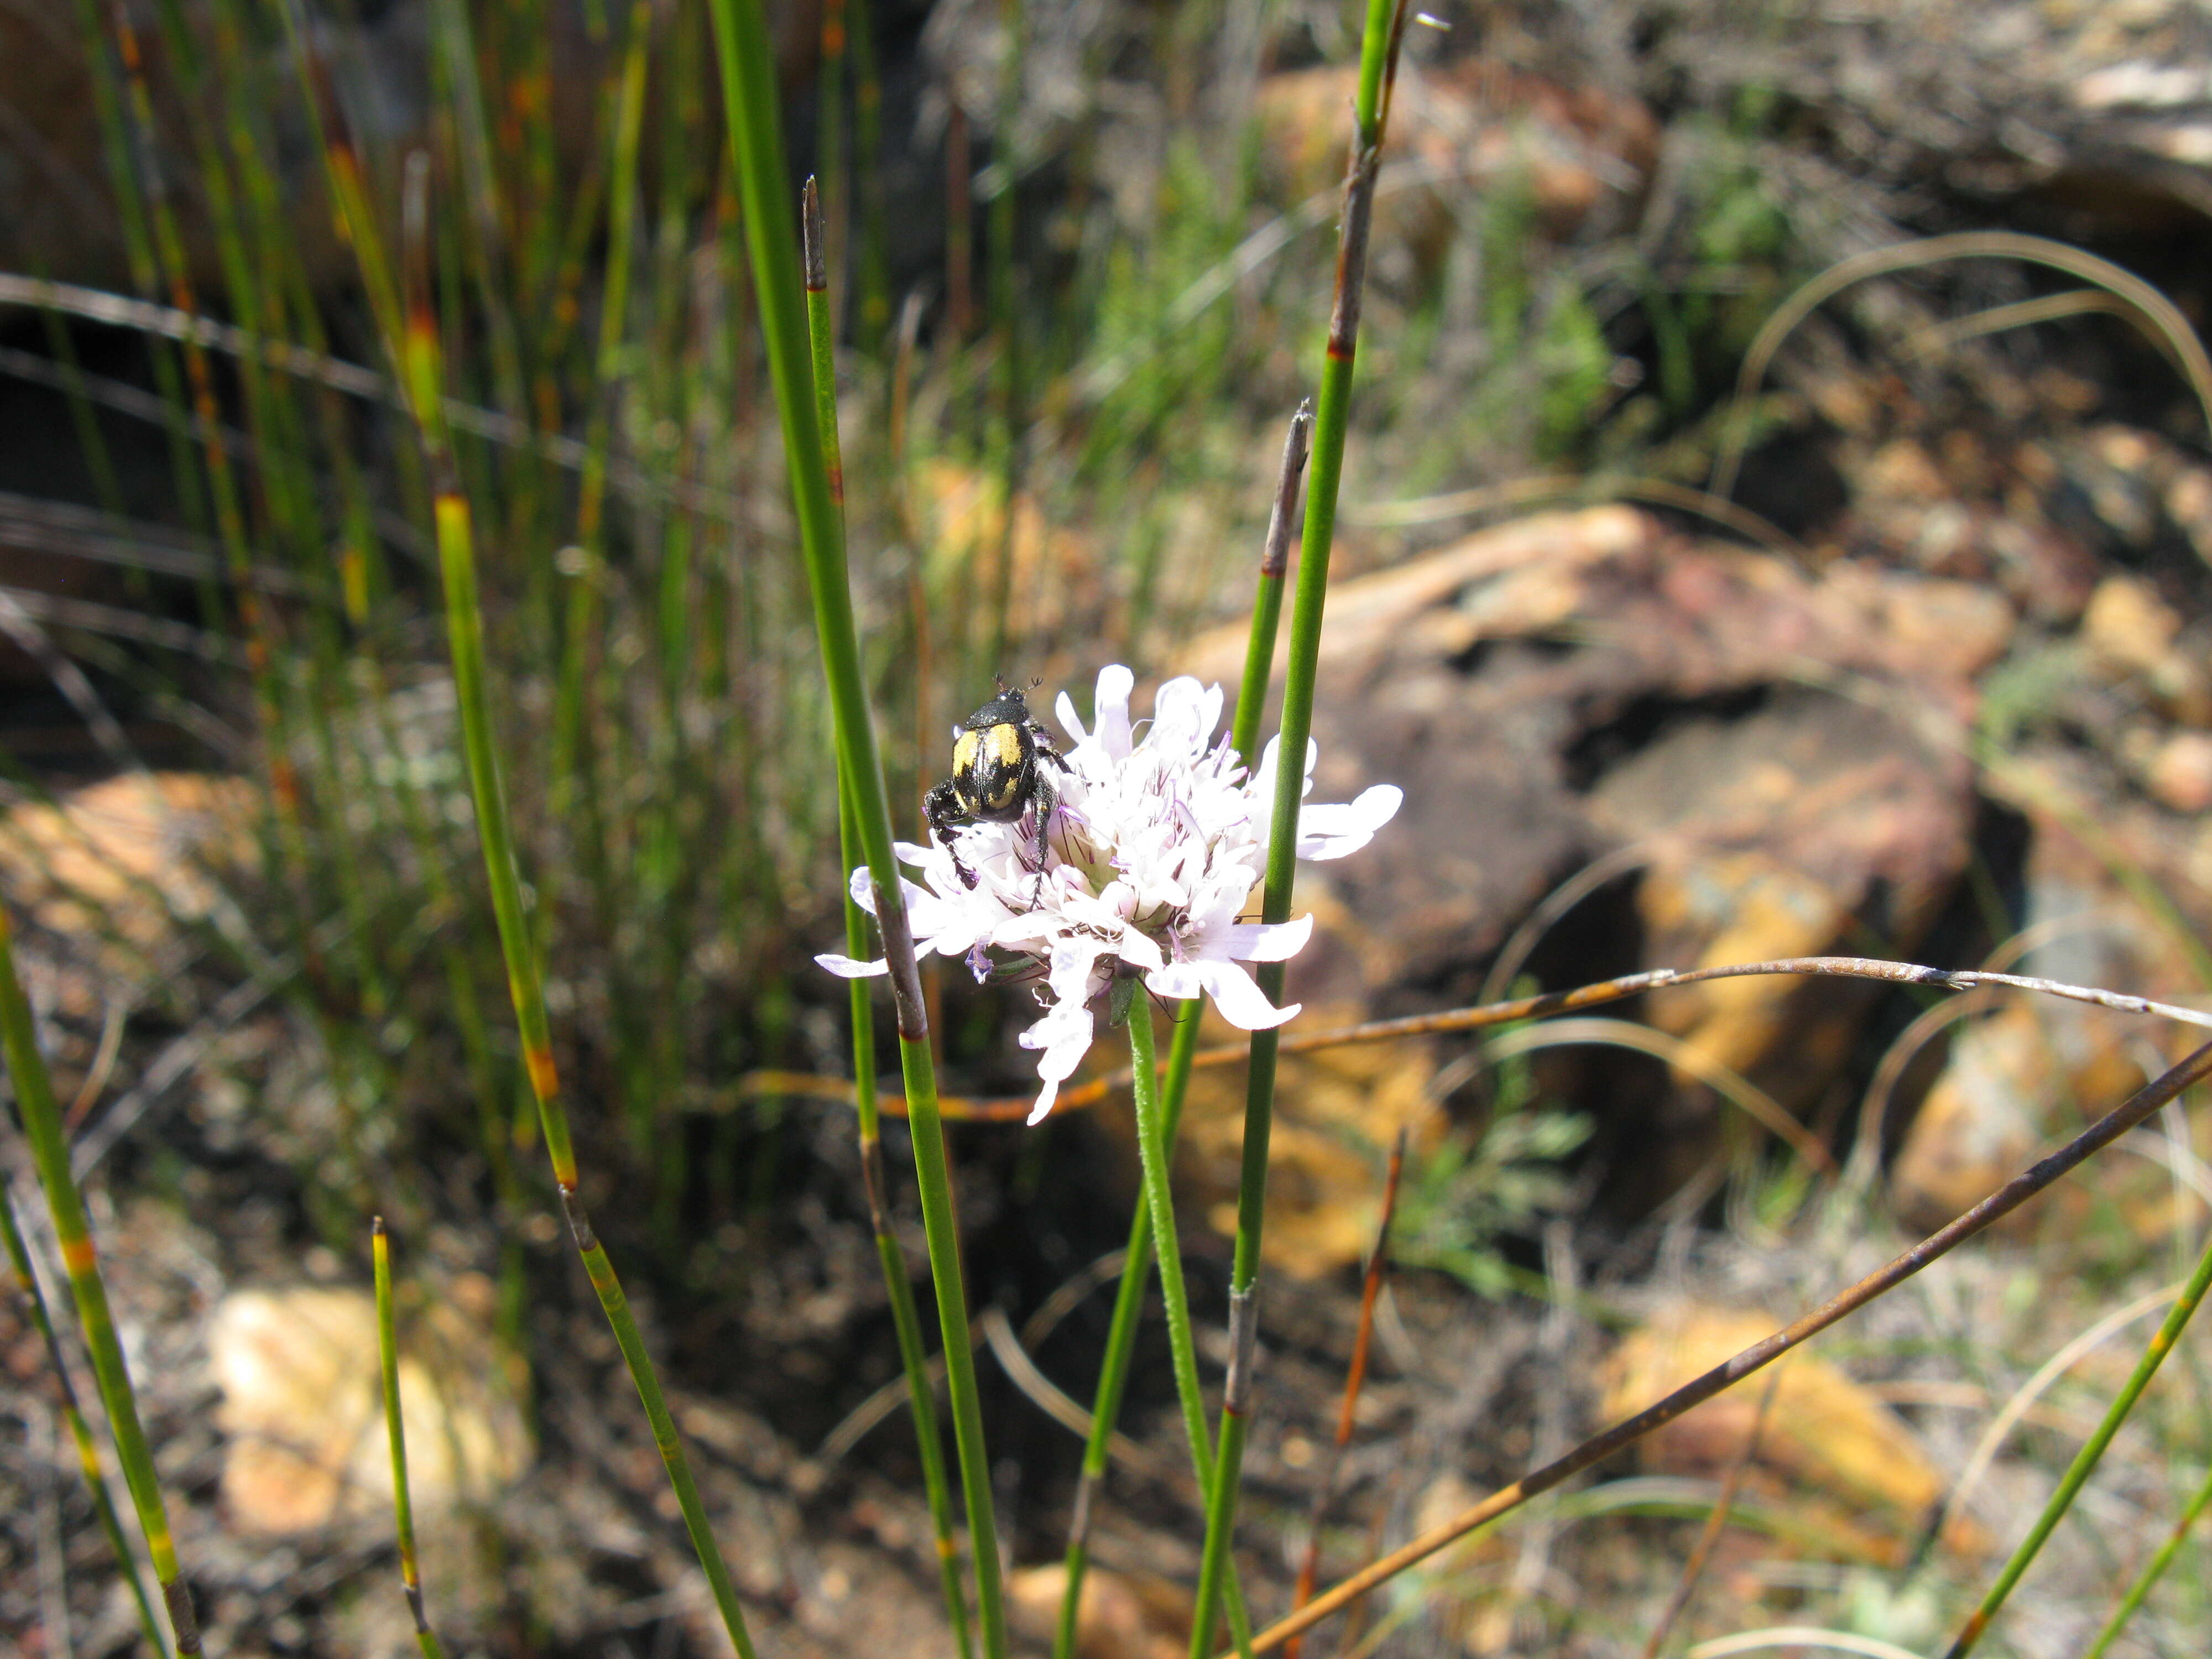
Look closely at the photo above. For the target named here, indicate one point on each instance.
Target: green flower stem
(1378, 57)
(747, 62)
(1122, 1335)
(2085, 1461)
(395, 1431)
(2152, 1572)
(88, 1448)
(419, 354)
(1155, 1133)
(921, 1396)
(1182, 1048)
(42, 1127)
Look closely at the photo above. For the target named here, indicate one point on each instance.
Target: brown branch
(1507, 1013)
(1999, 1204)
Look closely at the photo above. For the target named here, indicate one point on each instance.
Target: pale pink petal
(1332, 832)
(1111, 711)
(1139, 952)
(1178, 981)
(1255, 941)
(862, 886)
(1064, 705)
(848, 968)
(1241, 1003)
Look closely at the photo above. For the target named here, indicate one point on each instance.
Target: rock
(302, 1405)
(1825, 1435)
(118, 864)
(1555, 688)
(2133, 634)
(1117, 1615)
(2180, 775)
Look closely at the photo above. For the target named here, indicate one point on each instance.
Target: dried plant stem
(920, 1395)
(395, 1432)
(1715, 1522)
(1544, 1003)
(2137, 1109)
(420, 354)
(1354, 1376)
(42, 1127)
(2085, 1461)
(2160, 317)
(2153, 1570)
(88, 1448)
(750, 104)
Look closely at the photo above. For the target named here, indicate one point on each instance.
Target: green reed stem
(1121, 1334)
(1182, 1048)
(747, 62)
(2152, 1571)
(2085, 1461)
(42, 1127)
(921, 1396)
(395, 1429)
(1378, 57)
(88, 1448)
(419, 353)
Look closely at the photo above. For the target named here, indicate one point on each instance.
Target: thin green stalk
(1182, 1048)
(42, 1127)
(920, 1397)
(1122, 1335)
(456, 539)
(88, 1448)
(1378, 57)
(747, 62)
(2085, 1461)
(582, 620)
(2152, 1571)
(395, 1429)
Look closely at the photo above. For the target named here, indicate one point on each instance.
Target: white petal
(1111, 710)
(1072, 960)
(1140, 951)
(862, 886)
(1178, 981)
(1064, 1034)
(1064, 705)
(1241, 1003)
(1255, 941)
(1046, 1095)
(1330, 832)
(846, 968)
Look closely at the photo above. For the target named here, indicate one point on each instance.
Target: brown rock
(1117, 1616)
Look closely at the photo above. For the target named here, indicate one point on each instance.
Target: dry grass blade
(1715, 1522)
(1355, 1375)
(2159, 315)
(2137, 1108)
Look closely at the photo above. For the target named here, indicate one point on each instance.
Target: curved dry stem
(2156, 314)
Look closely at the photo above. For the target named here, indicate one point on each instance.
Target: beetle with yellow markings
(997, 759)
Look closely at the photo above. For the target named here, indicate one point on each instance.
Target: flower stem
(1121, 1333)
(88, 1448)
(395, 1431)
(42, 1127)
(920, 1395)
(1154, 1136)
(2086, 1460)
(1378, 58)
(747, 62)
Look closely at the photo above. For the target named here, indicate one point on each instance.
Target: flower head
(1147, 861)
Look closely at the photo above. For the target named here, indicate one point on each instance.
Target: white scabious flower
(1157, 846)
